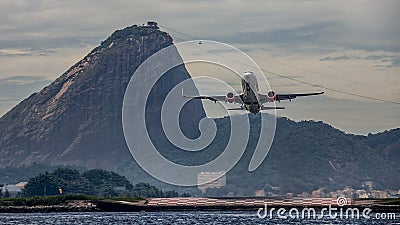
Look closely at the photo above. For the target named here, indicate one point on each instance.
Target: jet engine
(230, 97)
(271, 96)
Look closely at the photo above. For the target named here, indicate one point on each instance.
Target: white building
(13, 189)
(211, 180)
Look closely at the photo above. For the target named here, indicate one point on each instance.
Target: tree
(93, 182)
(146, 190)
(41, 185)
(71, 182)
(6, 194)
(170, 194)
(105, 182)
(185, 195)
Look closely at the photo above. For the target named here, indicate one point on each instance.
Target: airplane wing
(219, 98)
(262, 108)
(281, 97)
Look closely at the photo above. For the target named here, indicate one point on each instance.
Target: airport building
(211, 180)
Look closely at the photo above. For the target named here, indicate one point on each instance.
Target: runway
(245, 202)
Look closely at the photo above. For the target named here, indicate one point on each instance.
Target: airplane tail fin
(187, 96)
(183, 95)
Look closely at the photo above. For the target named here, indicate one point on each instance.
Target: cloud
(5, 106)
(351, 116)
(17, 88)
(13, 53)
(16, 52)
(385, 60)
(343, 57)
(304, 34)
(343, 41)
(379, 59)
(47, 45)
(355, 24)
(6, 27)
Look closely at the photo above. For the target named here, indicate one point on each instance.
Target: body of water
(216, 217)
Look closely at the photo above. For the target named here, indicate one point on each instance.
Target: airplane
(251, 100)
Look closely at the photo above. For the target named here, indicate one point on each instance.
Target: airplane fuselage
(250, 95)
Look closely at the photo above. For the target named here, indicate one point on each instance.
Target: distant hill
(309, 155)
(304, 157)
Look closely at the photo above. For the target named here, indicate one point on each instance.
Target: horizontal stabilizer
(267, 107)
(236, 109)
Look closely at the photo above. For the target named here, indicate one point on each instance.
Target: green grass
(32, 201)
(128, 199)
(390, 201)
(387, 201)
(57, 200)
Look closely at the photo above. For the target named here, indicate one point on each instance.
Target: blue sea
(215, 217)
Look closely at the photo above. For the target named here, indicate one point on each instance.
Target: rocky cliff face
(77, 118)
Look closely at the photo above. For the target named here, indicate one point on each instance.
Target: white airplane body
(251, 100)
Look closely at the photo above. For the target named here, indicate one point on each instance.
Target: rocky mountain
(77, 118)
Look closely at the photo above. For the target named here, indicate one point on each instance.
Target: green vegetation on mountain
(307, 155)
(13, 175)
(97, 182)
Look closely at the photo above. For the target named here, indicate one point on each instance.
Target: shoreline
(201, 204)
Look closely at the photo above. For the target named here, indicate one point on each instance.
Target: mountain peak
(77, 118)
(133, 32)
(128, 35)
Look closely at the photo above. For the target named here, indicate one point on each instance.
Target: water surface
(192, 217)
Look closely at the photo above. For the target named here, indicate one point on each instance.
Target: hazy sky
(353, 46)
